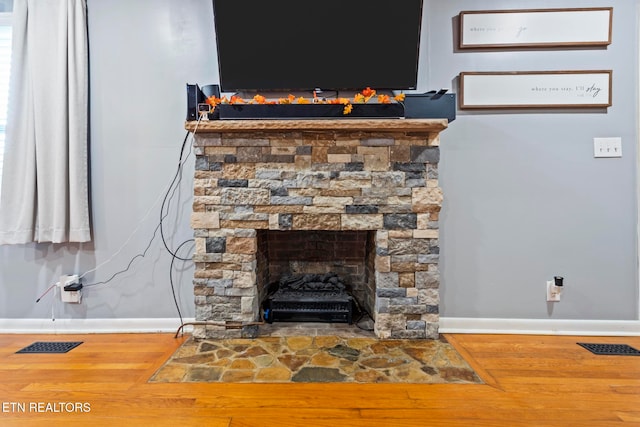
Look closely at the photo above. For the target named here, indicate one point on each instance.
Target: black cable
(362, 313)
(165, 202)
(124, 270)
(177, 175)
(171, 190)
(173, 289)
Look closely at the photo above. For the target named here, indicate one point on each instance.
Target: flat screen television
(276, 45)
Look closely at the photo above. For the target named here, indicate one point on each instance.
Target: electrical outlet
(70, 289)
(553, 291)
(607, 147)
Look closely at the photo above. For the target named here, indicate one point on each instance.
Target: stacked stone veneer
(381, 181)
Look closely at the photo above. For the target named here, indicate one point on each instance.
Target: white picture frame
(536, 89)
(535, 28)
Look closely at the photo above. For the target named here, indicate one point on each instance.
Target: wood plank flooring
(529, 381)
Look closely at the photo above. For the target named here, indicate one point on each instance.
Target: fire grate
(310, 298)
(50, 347)
(611, 349)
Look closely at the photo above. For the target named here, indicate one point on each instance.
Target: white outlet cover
(553, 295)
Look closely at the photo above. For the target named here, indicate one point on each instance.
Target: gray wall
(524, 197)
(142, 53)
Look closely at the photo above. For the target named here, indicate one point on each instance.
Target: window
(5, 66)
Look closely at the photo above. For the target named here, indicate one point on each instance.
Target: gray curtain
(44, 194)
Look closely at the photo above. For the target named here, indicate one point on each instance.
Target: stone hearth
(364, 192)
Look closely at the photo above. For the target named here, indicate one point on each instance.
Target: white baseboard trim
(457, 325)
(90, 326)
(463, 325)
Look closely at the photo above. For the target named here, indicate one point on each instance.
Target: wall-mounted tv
(273, 45)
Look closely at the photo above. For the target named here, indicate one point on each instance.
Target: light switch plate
(607, 147)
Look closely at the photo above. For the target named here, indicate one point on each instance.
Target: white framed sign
(535, 28)
(536, 89)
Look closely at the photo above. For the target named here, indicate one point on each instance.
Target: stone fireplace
(356, 197)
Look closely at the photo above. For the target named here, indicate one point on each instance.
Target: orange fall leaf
(368, 92)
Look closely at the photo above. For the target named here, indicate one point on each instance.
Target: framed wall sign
(535, 89)
(535, 28)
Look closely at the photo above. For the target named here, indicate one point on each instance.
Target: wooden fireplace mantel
(404, 125)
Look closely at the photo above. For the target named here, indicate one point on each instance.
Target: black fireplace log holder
(309, 298)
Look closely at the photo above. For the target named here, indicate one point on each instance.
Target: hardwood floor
(529, 381)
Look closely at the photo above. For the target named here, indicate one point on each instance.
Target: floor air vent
(611, 349)
(50, 347)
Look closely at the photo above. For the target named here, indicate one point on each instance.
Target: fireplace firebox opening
(322, 258)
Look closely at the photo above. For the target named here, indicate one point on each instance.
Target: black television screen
(270, 45)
